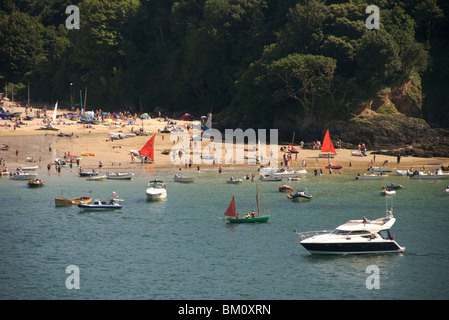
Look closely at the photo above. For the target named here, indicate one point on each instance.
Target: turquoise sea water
(181, 249)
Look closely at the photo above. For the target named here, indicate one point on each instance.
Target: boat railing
(308, 234)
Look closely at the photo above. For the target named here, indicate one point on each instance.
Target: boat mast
(257, 199)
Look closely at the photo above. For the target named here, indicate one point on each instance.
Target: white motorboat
(27, 168)
(232, 180)
(266, 170)
(405, 172)
(179, 178)
(434, 175)
(156, 190)
(447, 190)
(354, 237)
(370, 176)
(23, 175)
(120, 175)
(270, 177)
(288, 173)
(381, 169)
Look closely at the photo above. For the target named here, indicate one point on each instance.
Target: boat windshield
(349, 232)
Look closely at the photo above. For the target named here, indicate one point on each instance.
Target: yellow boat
(71, 201)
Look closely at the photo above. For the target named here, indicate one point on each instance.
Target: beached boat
(119, 175)
(371, 176)
(35, 183)
(179, 178)
(434, 175)
(327, 147)
(51, 125)
(354, 237)
(23, 175)
(380, 169)
(334, 166)
(113, 203)
(300, 195)
(233, 215)
(71, 201)
(232, 180)
(285, 188)
(156, 191)
(358, 153)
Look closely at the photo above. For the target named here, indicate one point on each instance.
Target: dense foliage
(263, 61)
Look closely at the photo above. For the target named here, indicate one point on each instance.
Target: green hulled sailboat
(248, 218)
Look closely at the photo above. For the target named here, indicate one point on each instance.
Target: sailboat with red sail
(327, 147)
(248, 218)
(148, 148)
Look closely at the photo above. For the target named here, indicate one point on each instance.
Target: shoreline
(45, 146)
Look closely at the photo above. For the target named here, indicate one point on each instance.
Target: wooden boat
(285, 188)
(232, 180)
(233, 216)
(178, 178)
(35, 183)
(120, 175)
(327, 147)
(71, 201)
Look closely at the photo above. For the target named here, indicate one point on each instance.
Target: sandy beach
(28, 144)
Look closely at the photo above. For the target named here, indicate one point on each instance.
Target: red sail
(231, 209)
(148, 148)
(327, 145)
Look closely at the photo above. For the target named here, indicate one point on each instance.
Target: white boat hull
(24, 176)
(120, 176)
(155, 194)
(371, 177)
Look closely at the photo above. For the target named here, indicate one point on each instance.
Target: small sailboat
(248, 218)
(291, 148)
(327, 147)
(148, 148)
(50, 126)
